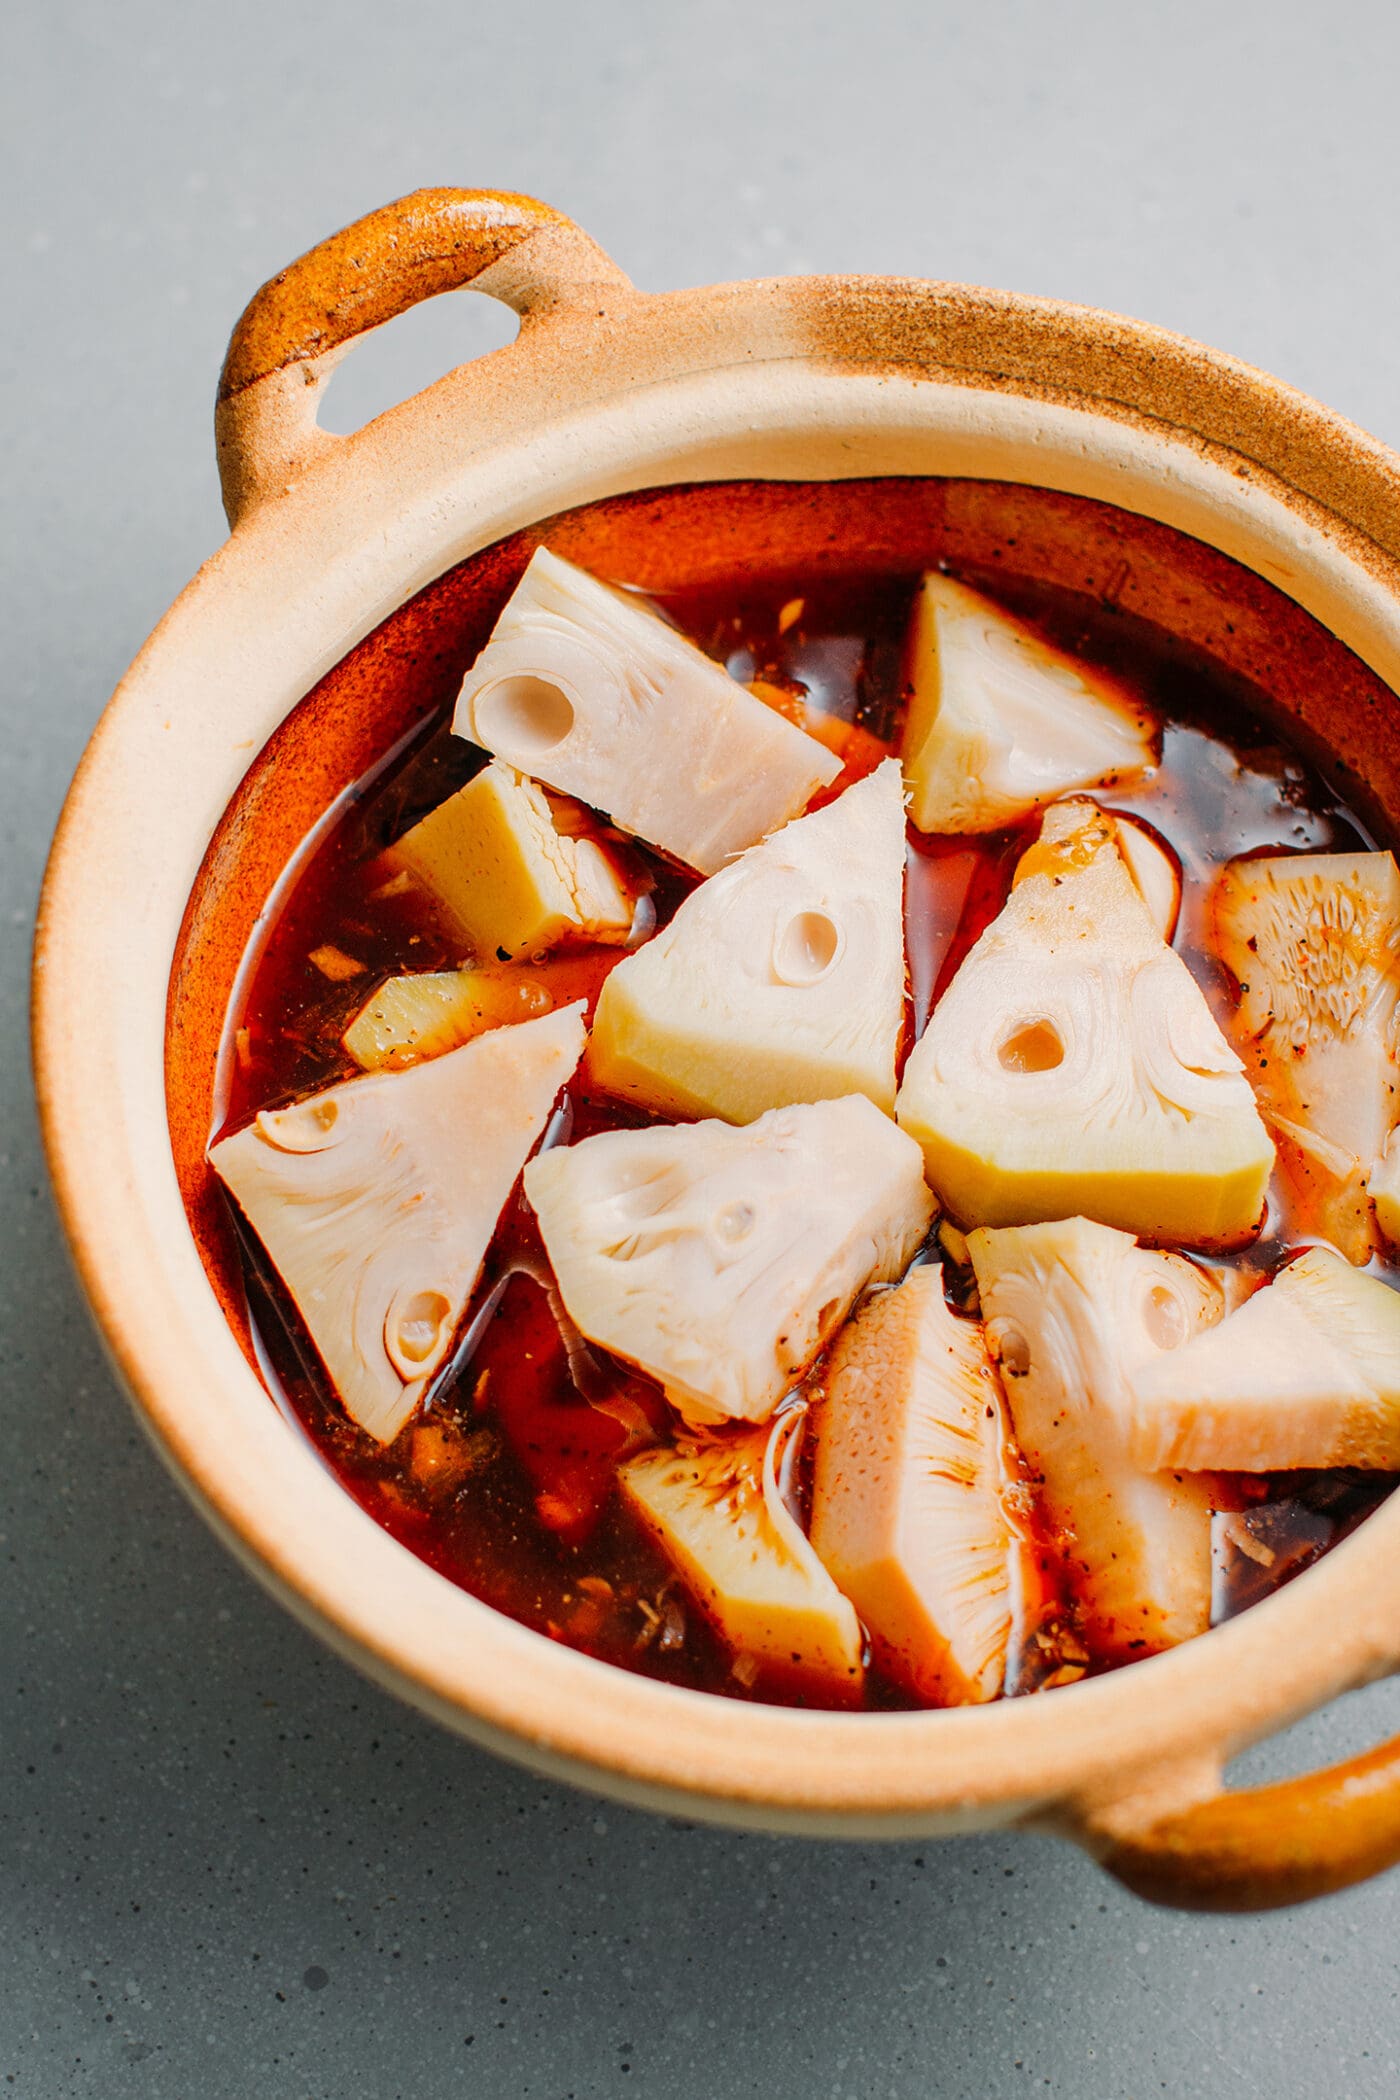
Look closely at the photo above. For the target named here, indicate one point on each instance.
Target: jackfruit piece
(780, 979)
(907, 1515)
(410, 1018)
(1385, 1189)
(510, 880)
(714, 1506)
(376, 1201)
(1305, 1373)
(1000, 722)
(1156, 875)
(1154, 869)
(1313, 940)
(1073, 1310)
(722, 1261)
(588, 690)
(1073, 1067)
(1329, 1187)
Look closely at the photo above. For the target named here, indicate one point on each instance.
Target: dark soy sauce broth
(504, 1481)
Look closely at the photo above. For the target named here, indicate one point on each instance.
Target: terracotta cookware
(774, 424)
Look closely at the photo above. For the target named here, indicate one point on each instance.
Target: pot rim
(305, 574)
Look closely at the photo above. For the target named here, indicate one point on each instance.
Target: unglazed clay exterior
(343, 579)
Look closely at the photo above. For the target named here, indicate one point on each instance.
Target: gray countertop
(227, 1866)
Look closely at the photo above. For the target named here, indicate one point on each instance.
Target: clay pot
(880, 418)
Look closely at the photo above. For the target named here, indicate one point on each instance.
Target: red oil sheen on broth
(505, 1483)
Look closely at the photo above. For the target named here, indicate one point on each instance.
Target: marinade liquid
(504, 1483)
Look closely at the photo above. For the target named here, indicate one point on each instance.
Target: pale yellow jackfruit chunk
(907, 1513)
(1073, 1310)
(714, 1506)
(588, 690)
(410, 1018)
(1305, 1373)
(1073, 1067)
(510, 880)
(721, 1261)
(1313, 940)
(780, 979)
(1001, 722)
(376, 1201)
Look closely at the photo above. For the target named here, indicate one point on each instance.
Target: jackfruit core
(1073, 1068)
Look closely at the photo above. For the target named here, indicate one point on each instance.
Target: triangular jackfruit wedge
(377, 1199)
(1072, 1311)
(1313, 941)
(907, 1513)
(510, 878)
(714, 1507)
(1305, 1373)
(1000, 722)
(1073, 1067)
(423, 1015)
(780, 979)
(722, 1261)
(588, 690)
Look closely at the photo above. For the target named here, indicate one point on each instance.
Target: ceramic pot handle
(293, 331)
(1262, 1847)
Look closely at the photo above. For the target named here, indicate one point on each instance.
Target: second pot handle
(283, 349)
(1263, 1846)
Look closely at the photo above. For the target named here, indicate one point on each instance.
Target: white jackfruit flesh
(508, 877)
(586, 689)
(410, 1018)
(907, 1512)
(1000, 722)
(1073, 1067)
(1313, 940)
(714, 1506)
(721, 1261)
(1073, 1310)
(1154, 870)
(1305, 1373)
(376, 1201)
(780, 979)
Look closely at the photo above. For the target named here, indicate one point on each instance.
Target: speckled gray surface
(227, 1867)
